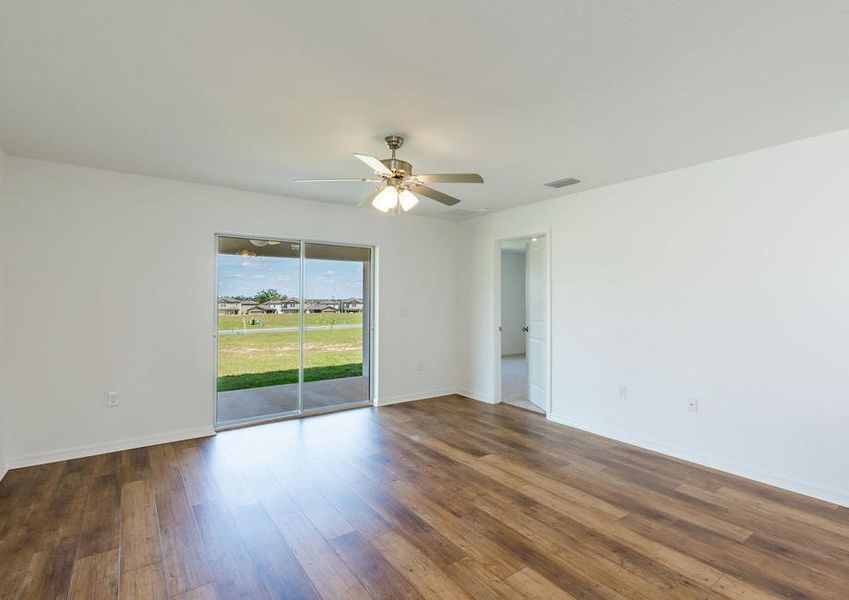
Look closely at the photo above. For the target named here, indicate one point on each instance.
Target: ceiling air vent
(563, 182)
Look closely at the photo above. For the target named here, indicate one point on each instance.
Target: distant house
(321, 307)
(228, 306)
(280, 306)
(273, 306)
(246, 307)
(352, 305)
(234, 306)
(270, 308)
(290, 305)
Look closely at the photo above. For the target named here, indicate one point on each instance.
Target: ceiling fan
(399, 182)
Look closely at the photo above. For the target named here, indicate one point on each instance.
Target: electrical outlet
(623, 392)
(112, 399)
(693, 405)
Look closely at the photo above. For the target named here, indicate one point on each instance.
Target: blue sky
(245, 276)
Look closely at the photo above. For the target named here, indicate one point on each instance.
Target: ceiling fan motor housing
(396, 164)
(393, 142)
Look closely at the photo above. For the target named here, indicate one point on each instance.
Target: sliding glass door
(293, 328)
(335, 335)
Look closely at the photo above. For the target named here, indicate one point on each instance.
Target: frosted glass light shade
(407, 199)
(386, 200)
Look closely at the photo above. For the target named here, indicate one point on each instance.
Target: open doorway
(523, 343)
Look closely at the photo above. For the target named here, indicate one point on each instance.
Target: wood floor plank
(420, 571)
(164, 468)
(135, 465)
(485, 552)
(95, 577)
(234, 571)
(204, 592)
(198, 480)
(144, 583)
(826, 552)
(379, 578)
(772, 574)
(353, 508)
(280, 570)
(328, 573)
(184, 556)
(430, 541)
(49, 572)
(438, 498)
(794, 514)
(323, 515)
(478, 581)
(527, 583)
(100, 527)
(226, 475)
(140, 543)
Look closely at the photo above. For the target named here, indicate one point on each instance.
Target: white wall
(512, 302)
(4, 414)
(727, 281)
(110, 287)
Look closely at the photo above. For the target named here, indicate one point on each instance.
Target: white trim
(40, 458)
(706, 460)
(496, 345)
(412, 397)
(476, 396)
(4, 468)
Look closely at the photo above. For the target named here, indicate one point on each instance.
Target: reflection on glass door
(336, 297)
(293, 329)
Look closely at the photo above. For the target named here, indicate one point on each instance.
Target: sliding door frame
(369, 329)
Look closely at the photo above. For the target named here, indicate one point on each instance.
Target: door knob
(524, 329)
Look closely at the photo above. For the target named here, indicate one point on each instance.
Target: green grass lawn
(241, 322)
(260, 359)
(253, 380)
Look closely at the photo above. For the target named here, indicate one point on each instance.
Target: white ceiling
(253, 94)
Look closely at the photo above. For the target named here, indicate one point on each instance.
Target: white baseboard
(800, 487)
(475, 396)
(418, 396)
(3, 470)
(40, 458)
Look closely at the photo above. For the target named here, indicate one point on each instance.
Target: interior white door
(536, 323)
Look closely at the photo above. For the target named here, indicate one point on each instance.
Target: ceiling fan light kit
(399, 181)
(407, 199)
(386, 200)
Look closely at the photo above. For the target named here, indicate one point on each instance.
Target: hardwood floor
(441, 498)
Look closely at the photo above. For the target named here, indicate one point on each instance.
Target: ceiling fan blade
(436, 195)
(450, 178)
(375, 164)
(368, 199)
(325, 180)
